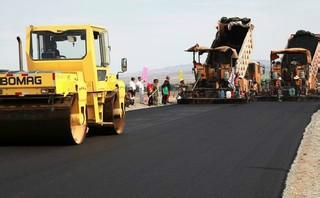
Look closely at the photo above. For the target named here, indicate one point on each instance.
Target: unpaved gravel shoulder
(304, 176)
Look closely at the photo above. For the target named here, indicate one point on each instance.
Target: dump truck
(228, 74)
(294, 69)
(67, 91)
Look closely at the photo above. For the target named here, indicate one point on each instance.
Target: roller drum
(38, 120)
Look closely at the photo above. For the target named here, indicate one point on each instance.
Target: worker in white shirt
(132, 89)
(140, 87)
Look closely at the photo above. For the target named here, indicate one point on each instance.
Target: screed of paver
(304, 177)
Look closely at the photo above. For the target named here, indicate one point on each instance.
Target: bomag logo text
(26, 80)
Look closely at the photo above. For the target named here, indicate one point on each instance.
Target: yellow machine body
(96, 97)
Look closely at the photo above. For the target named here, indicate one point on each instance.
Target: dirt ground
(304, 177)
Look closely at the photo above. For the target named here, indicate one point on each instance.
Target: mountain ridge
(172, 72)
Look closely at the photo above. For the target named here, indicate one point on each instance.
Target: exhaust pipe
(20, 54)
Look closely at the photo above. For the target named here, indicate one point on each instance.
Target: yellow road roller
(67, 91)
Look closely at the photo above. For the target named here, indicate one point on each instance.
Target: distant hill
(161, 73)
(172, 72)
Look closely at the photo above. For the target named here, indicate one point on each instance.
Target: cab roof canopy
(57, 28)
(198, 48)
(275, 54)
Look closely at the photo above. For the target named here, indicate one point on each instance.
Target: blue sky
(155, 33)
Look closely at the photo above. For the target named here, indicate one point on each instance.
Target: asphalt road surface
(174, 151)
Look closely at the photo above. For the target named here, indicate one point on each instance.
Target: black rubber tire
(118, 125)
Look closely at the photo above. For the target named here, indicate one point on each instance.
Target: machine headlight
(48, 91)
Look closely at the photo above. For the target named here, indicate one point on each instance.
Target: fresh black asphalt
(174, 151)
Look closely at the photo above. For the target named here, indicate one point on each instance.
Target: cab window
(70, 44)
(101, 49)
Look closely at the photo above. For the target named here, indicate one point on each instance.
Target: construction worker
(255, 88)
(278, 88)
(286, 76)
(298, 85)
(132, 89)
(140, 88)
(155, 93)
(181, 89)
(169, 88)
(237, 84)
(165, 91)
(150, 94)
